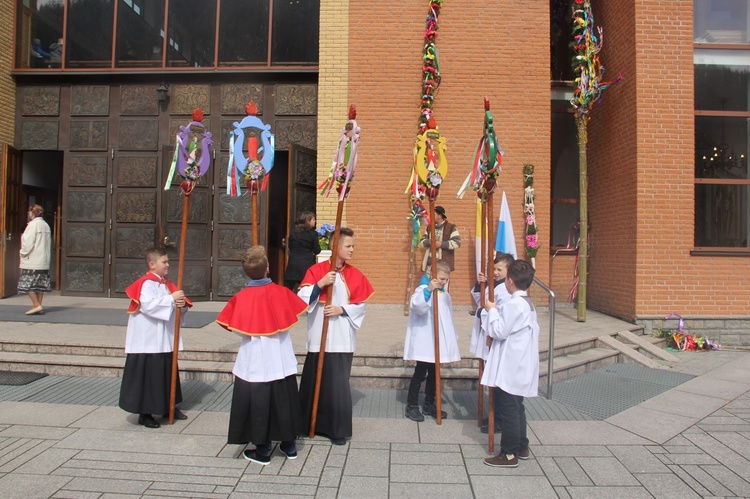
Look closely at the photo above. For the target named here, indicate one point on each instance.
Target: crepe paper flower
(530, 228)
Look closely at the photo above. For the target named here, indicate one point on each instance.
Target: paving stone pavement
(690, 441)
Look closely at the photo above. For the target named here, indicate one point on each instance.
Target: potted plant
(325, 234)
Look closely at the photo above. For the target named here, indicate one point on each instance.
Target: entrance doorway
(42, 185)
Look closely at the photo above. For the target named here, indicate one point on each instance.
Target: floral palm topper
(530, 228)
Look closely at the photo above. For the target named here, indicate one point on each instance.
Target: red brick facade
(481, 54)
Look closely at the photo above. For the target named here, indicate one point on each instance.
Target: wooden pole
(491, 281)
(435, 316)
(583, 245)
(254, 205)
(410, 279)
(178, 312)
(480, 309)
(324, 333)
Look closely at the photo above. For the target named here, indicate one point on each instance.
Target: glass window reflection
(721, 147)
(721, 21)
(243, 32)
(295, 32)
(721, 215)
(722, 80)
(38, 30)
(192, 25)
(89, 33)
(140, 29)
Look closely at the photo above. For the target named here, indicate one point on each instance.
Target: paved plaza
(692, 440)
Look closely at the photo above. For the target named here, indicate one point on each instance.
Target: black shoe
(148, 421)
(431, 410)
(412, 412)
(252, 455)
(485, 427)
(289, 455)
(338, 441)
(472, 312)
(178, 415)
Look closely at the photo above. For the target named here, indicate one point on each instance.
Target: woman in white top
(36, 245)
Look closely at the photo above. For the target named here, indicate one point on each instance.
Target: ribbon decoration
(681, 326)
(586, 63)
(255, 167)
(430, 164)
(344, 160)
(191, 158)
(487, 160)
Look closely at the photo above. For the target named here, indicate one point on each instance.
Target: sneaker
(524, 454)
(252, 455)
(413, 413)
(485, 427)
(502, 460)
(431, 410)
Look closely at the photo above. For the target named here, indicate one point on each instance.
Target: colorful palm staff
(192, 157)
(345, 159)
(253, 168)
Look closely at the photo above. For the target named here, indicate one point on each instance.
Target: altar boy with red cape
(149, 342)
(351, 289)
(265, 402)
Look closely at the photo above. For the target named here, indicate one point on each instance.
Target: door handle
(168, 243)
(8, 236)
(283, 242)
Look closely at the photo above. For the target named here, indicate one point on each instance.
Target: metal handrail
(551, 354)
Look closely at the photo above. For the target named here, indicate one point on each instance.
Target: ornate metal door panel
(233, 234)
(302, 175)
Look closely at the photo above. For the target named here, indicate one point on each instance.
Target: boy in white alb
(265, 403)
(351, 289)
(513, 362)
(478, 345)
(419, 344)
(150, 341)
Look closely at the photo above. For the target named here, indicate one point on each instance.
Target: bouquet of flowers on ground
(680, 340)
(325, 232)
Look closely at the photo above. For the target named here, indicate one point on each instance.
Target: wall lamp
(162, 93)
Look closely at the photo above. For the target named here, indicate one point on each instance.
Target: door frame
(11, 225)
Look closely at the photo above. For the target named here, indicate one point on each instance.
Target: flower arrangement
(530, 228)
(681, 341)
(325, 232)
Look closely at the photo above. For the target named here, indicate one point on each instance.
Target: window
(722, 125)
(39, 28)
(565, 190)
(253, 34)
(192, 26)
(89, 30)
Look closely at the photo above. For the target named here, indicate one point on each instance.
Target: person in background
(303, 246)
(55, 51)
(36, 246)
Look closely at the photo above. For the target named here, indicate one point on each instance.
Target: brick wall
(333, 98)
(612, 168)
(7, 84)
(481, 53)
(641, 156)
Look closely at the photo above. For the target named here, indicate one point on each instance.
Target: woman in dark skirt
(36, 246)
(303, 246)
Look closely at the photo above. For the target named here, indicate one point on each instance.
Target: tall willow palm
(589, 71)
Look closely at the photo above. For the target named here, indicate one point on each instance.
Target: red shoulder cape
(134, 291)
(359, 288)
(262, 310)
